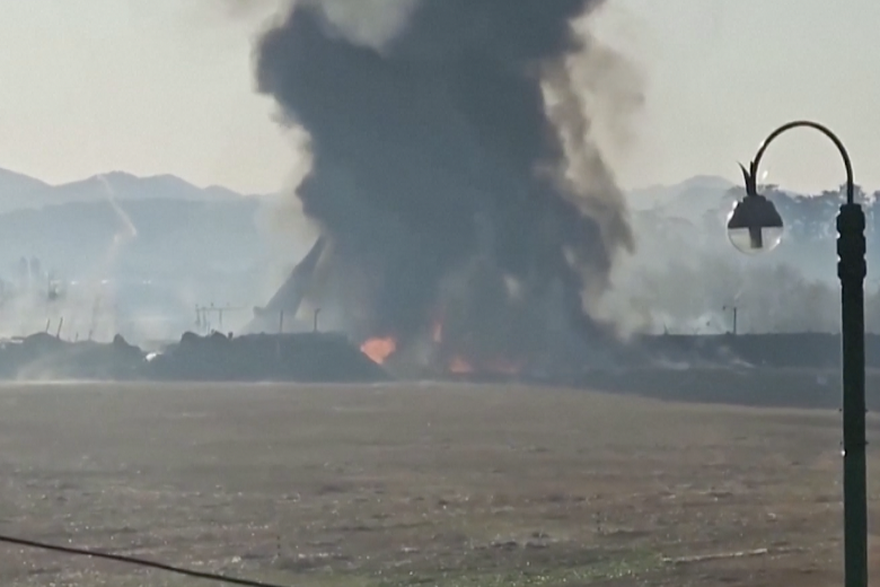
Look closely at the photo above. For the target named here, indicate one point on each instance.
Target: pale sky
(165, 86)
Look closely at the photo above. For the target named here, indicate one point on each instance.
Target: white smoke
(371, 23)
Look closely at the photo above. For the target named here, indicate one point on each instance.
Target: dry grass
(417, 484)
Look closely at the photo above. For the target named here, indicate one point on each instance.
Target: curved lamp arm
(851, 269)
(750, 175)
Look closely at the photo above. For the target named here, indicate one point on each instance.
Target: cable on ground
(133, 561)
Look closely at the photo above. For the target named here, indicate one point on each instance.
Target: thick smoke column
(452, 165)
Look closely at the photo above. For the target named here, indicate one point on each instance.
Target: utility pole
(734, 310)
(203, 311)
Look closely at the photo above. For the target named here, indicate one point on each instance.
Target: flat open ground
(417, 485)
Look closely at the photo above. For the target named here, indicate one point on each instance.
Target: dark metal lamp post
(756, 226)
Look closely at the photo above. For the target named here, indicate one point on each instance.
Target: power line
(133, 561)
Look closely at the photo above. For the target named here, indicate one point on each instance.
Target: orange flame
(379, 349)
(460, 366)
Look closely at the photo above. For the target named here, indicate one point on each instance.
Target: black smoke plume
(453, 170)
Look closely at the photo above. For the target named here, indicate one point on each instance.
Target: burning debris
(379, 349)
(302, 357)
(307, 357)
(654, 364)
(472, 220)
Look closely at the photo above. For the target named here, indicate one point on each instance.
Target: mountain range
(169, 206)
(215, 245)
(19, 191)
(166, 240)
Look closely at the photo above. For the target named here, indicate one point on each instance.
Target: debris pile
(43, 357)
(809, 350)
(313, 357)
(333, 357)
(304, 357)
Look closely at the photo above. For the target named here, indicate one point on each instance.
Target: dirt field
(417, 485)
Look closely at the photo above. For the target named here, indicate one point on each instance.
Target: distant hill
(162, 235)
(219, 245)
(684, 225)
(705, 201)
(35, 216)
(699, 192)
(18, 191)
(127, 187)
(197, 245)
(13, 183)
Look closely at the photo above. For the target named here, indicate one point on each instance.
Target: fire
(379, 349)
(460, 366)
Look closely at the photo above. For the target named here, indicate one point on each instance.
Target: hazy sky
(165, 86)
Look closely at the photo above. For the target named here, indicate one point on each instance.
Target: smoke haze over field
(453, 163)
(686, 277)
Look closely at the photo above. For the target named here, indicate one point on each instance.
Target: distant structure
(36, 268)
(205, 315)
(734, 310)
(24, 273)
(284, 305)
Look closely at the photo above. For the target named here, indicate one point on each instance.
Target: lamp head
(754, 225)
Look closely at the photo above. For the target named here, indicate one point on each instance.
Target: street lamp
(755, 226)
